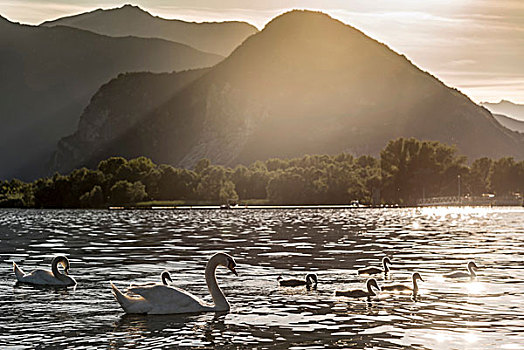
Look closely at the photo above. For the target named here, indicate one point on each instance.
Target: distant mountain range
(510, 123)
(507, 108)
(49, 73)
(305, 84)
(220, 38)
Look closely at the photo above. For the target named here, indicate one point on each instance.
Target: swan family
(162, 298)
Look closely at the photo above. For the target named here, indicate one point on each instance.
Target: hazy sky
(474, 45)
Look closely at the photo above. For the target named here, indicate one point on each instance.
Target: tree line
(406, 170)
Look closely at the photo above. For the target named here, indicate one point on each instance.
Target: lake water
(136, 246)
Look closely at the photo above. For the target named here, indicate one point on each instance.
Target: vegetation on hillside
(407, 170)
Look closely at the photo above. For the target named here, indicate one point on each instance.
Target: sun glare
(475, 287)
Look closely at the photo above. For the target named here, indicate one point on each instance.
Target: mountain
(216, 37)
(49, 74)
(510, 123)
(305, 84)
(507, 108)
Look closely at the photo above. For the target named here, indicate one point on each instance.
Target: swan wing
(396, 288)
(44, 277)
(355, 293)
(292, 283)
(370, 270)
(457, 274)
(169, 298)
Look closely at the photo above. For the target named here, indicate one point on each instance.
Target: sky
(476, 46)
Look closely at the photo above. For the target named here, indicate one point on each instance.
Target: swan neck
(54, 269)
(370, 290)
(472, 271)
(221, 303)
(386, 267)
(415, 286)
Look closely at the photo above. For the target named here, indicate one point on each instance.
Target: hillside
(216, 37)
(507, 108)
(48, 76)
(305, 84)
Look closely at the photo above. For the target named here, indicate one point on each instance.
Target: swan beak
(234, 271)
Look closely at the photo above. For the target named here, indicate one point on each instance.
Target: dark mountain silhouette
(47, 76)
(507, 108)
(217, 37)
(305, 84)
(510, 123)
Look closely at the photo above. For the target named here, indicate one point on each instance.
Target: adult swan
(45, 277)
(160, 299)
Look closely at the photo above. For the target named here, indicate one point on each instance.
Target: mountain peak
(126, 10)
(300, 19)
(131, 8)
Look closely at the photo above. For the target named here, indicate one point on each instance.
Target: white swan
(376, 270)
(161, 299)
(402, 288)
(311, 279)
(45, 277)
(360, 293)
(459, 274)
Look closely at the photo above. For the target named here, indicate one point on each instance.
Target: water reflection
(136, 246)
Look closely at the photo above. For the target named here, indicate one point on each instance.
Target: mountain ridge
(507, 108)
(309, 84)
(215, 37)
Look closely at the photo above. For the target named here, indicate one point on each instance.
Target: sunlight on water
(136, 246)
(475, 288)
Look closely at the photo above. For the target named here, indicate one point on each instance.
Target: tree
(124, 192)
(504, 176)
(215, 185)
(93, 199)
(410, 167)
(111, 165)
(477, 181)
(202, 165)
(286, 187)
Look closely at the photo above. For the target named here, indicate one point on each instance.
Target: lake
(136, 246)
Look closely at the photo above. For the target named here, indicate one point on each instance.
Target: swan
(459, 274)
(311, 279)
(164, 277)
(359, 293)
(160, 299)
(45, 277)
(403, 288)
(376, 270)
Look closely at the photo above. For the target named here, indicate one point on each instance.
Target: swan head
(372, 283)
(165, 276)
(472, 265)
(311, 277)
(417, 276)
(386, 260)
(226, 260)
(62, 260)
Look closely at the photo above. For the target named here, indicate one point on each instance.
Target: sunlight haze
(475, 46)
